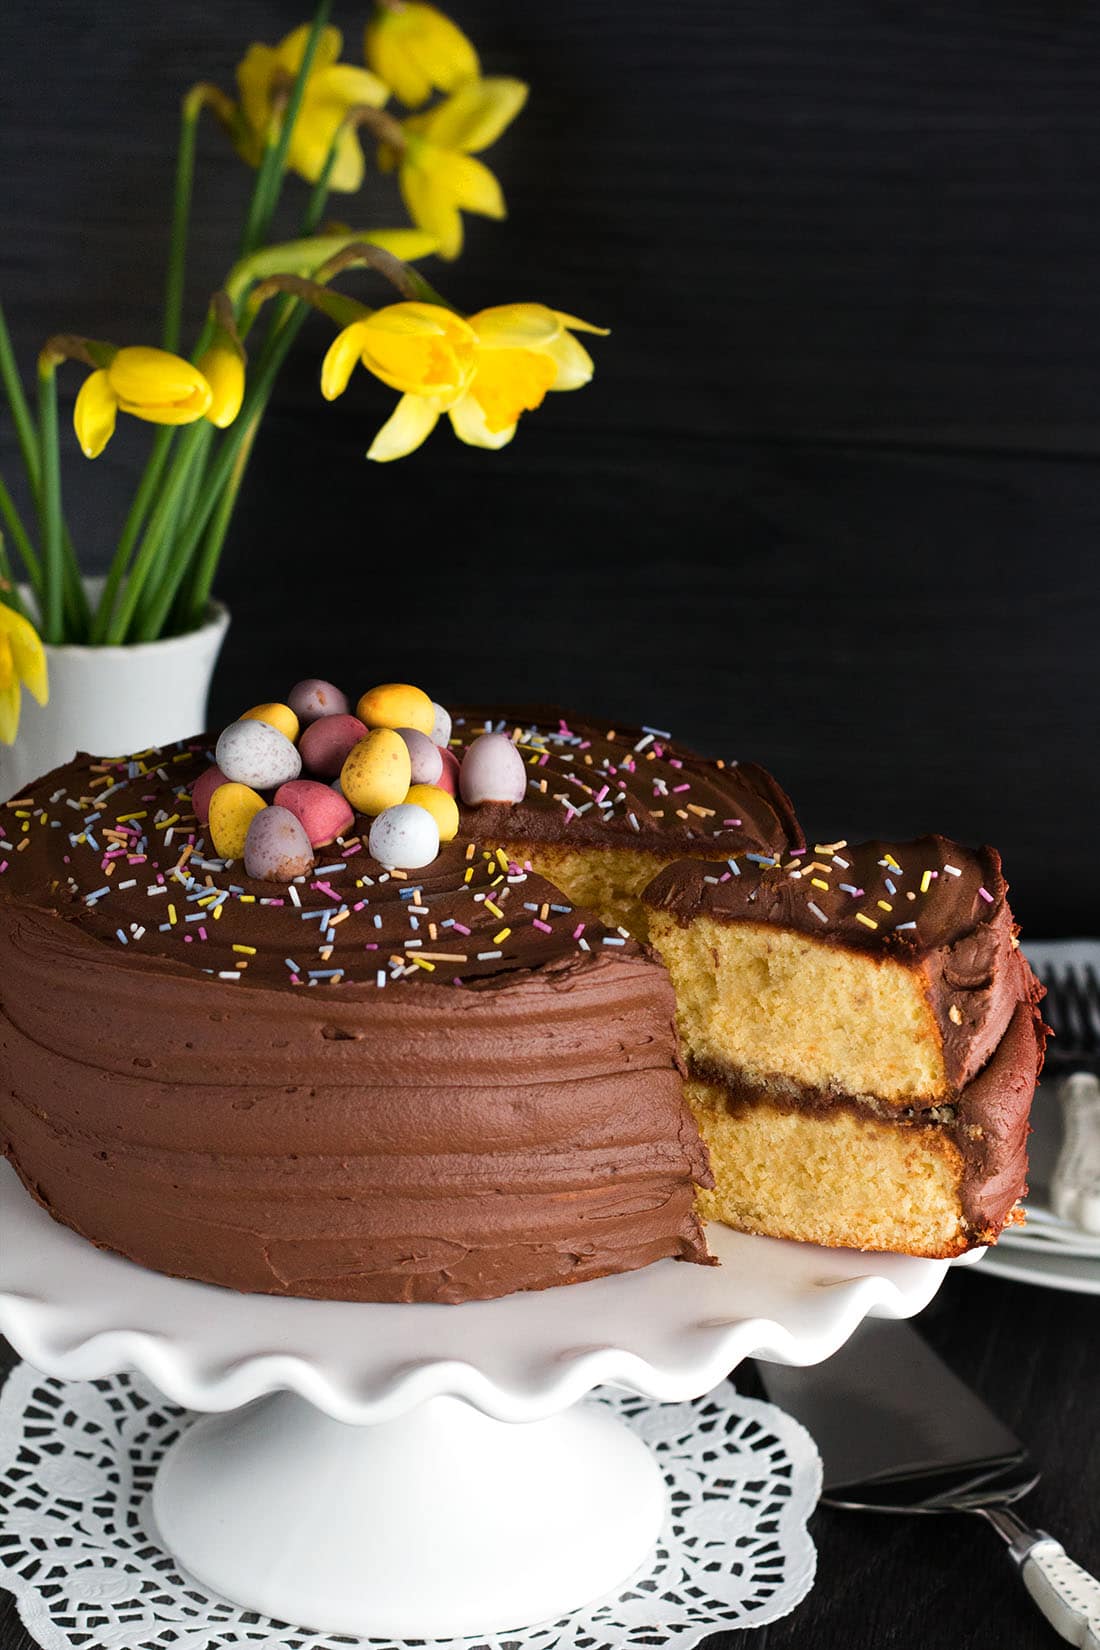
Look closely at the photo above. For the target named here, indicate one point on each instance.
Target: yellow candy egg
(377, 772)
(277, 716)
(397, 705)
(442, 807)
(233, 807)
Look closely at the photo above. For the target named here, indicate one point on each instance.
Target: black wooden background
(833, 499)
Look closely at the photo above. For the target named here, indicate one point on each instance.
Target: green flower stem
(151, 621)
(49, 504)
(318, 197)
(157, 534)
(20, 411)
(9, 590)
(162, 570)
(191, 534)
(27, 554)
(131, 527)
(181, 216)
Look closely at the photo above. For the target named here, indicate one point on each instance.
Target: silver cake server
(899, 1433)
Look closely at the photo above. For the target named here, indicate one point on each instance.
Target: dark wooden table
(947, 1584)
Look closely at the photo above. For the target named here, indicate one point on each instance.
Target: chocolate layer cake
(861, 1038)
(440, 1085)
(449, 1083)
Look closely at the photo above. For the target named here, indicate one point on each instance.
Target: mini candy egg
(378, 772)
(448, 779)
(233, 807)
(493, 771)
(277, 848)
(441, 727)
(322, 812)
(427, 763)
(314, 698)
(202, 790)
(404, 837)
(442, 807)
(255, 753)
(396, 705)
(325, 743)
(277, 716)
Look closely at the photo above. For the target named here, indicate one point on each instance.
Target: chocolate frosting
(930, 904)
(440, 1086)
(596, 784)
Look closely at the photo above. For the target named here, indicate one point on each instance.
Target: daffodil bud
(222, 365)
(413, 48)
(150, 384)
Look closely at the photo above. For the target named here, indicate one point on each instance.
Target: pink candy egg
(448, 777)
(325, 744)
(427, 763)
(322, 812)
(493, 771)
(203, 789)
(313, 698)
(277, 848)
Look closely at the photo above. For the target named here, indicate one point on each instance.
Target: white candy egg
(492, 771)
(441, 727)
(256, 754)
(404, 837)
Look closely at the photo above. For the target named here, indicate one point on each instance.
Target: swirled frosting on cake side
(366, 1084)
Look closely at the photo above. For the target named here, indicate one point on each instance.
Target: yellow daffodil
(222, 365)
(438, 175)
(414, 47)
(483, 371)
(147, 383)
(22, 664)
(265, 76)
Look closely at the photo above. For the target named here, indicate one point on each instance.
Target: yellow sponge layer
(607, 880)
(783, 1010)
(841, 1179)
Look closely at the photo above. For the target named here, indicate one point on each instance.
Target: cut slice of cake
(860, 1038)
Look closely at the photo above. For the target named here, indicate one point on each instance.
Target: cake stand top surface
(671, 1331)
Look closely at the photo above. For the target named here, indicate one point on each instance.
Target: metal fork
(1072, 1009)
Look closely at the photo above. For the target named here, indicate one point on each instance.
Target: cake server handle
(1066, 1594)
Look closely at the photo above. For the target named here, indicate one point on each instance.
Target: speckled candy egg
(202, 790)
(441, 727)
(325, 743)
(442, 807)
(448, 778)
(233, 807)
(405, 837)
(427, 762)
(378, 772)
(314, 698)
(322, 812)
(278, 716)
(492, 771)
(396, 705)
(277, 848)
(256, 754)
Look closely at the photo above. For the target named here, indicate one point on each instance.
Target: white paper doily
(79, 1551)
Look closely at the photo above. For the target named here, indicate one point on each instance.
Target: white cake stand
(424, 1471)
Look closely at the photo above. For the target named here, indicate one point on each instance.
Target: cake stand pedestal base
(440, 1523)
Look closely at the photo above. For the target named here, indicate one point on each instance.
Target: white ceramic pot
(115, 700)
